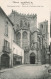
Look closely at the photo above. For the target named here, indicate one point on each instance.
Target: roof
(6, 16)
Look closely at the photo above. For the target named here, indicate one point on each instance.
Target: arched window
(24, 35)
(21, 23)
(28, 24)
(25, 39)
(25, 23)
(19, 38)
(18, 35)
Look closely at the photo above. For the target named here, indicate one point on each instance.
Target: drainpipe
(0, 62)
(11, 49)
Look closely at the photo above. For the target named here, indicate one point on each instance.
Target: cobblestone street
(25, 72)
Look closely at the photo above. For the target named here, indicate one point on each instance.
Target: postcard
(25, 39)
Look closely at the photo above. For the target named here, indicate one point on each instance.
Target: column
(36, 58)
(21, 38)
(11, 60)
(28, 38)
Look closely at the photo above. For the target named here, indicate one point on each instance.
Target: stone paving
(25, 72)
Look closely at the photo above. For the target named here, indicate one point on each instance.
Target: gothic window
(19, 35)
(21, 23)
(28, 24)
(14, 36)
(18, 38)
(17, 27)
(25, 39)
(25, 35)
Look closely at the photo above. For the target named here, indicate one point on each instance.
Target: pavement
(7, 69)
(26, 72)
(49, 71)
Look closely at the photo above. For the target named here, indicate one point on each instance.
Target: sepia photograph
(25, 39)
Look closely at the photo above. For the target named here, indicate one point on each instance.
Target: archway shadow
(5, 61)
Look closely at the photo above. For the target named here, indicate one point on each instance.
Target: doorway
(32, 58)
(5, 61)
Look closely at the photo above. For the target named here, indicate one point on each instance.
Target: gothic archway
(5, 60)
(32, 58)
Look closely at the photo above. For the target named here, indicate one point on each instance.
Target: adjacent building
(44, 38)
(7, 44)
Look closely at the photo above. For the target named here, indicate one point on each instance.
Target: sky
(41, 8)
(42, 11)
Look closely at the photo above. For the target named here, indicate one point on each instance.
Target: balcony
(6, 49)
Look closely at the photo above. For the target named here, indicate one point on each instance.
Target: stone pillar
(28, 38)
(11, 59)
(36, 57)
(35, 46)
(21, 38)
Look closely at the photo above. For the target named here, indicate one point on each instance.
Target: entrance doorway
(32, 58)
(5, 61)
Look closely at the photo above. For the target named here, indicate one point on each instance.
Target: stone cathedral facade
(27, 36)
